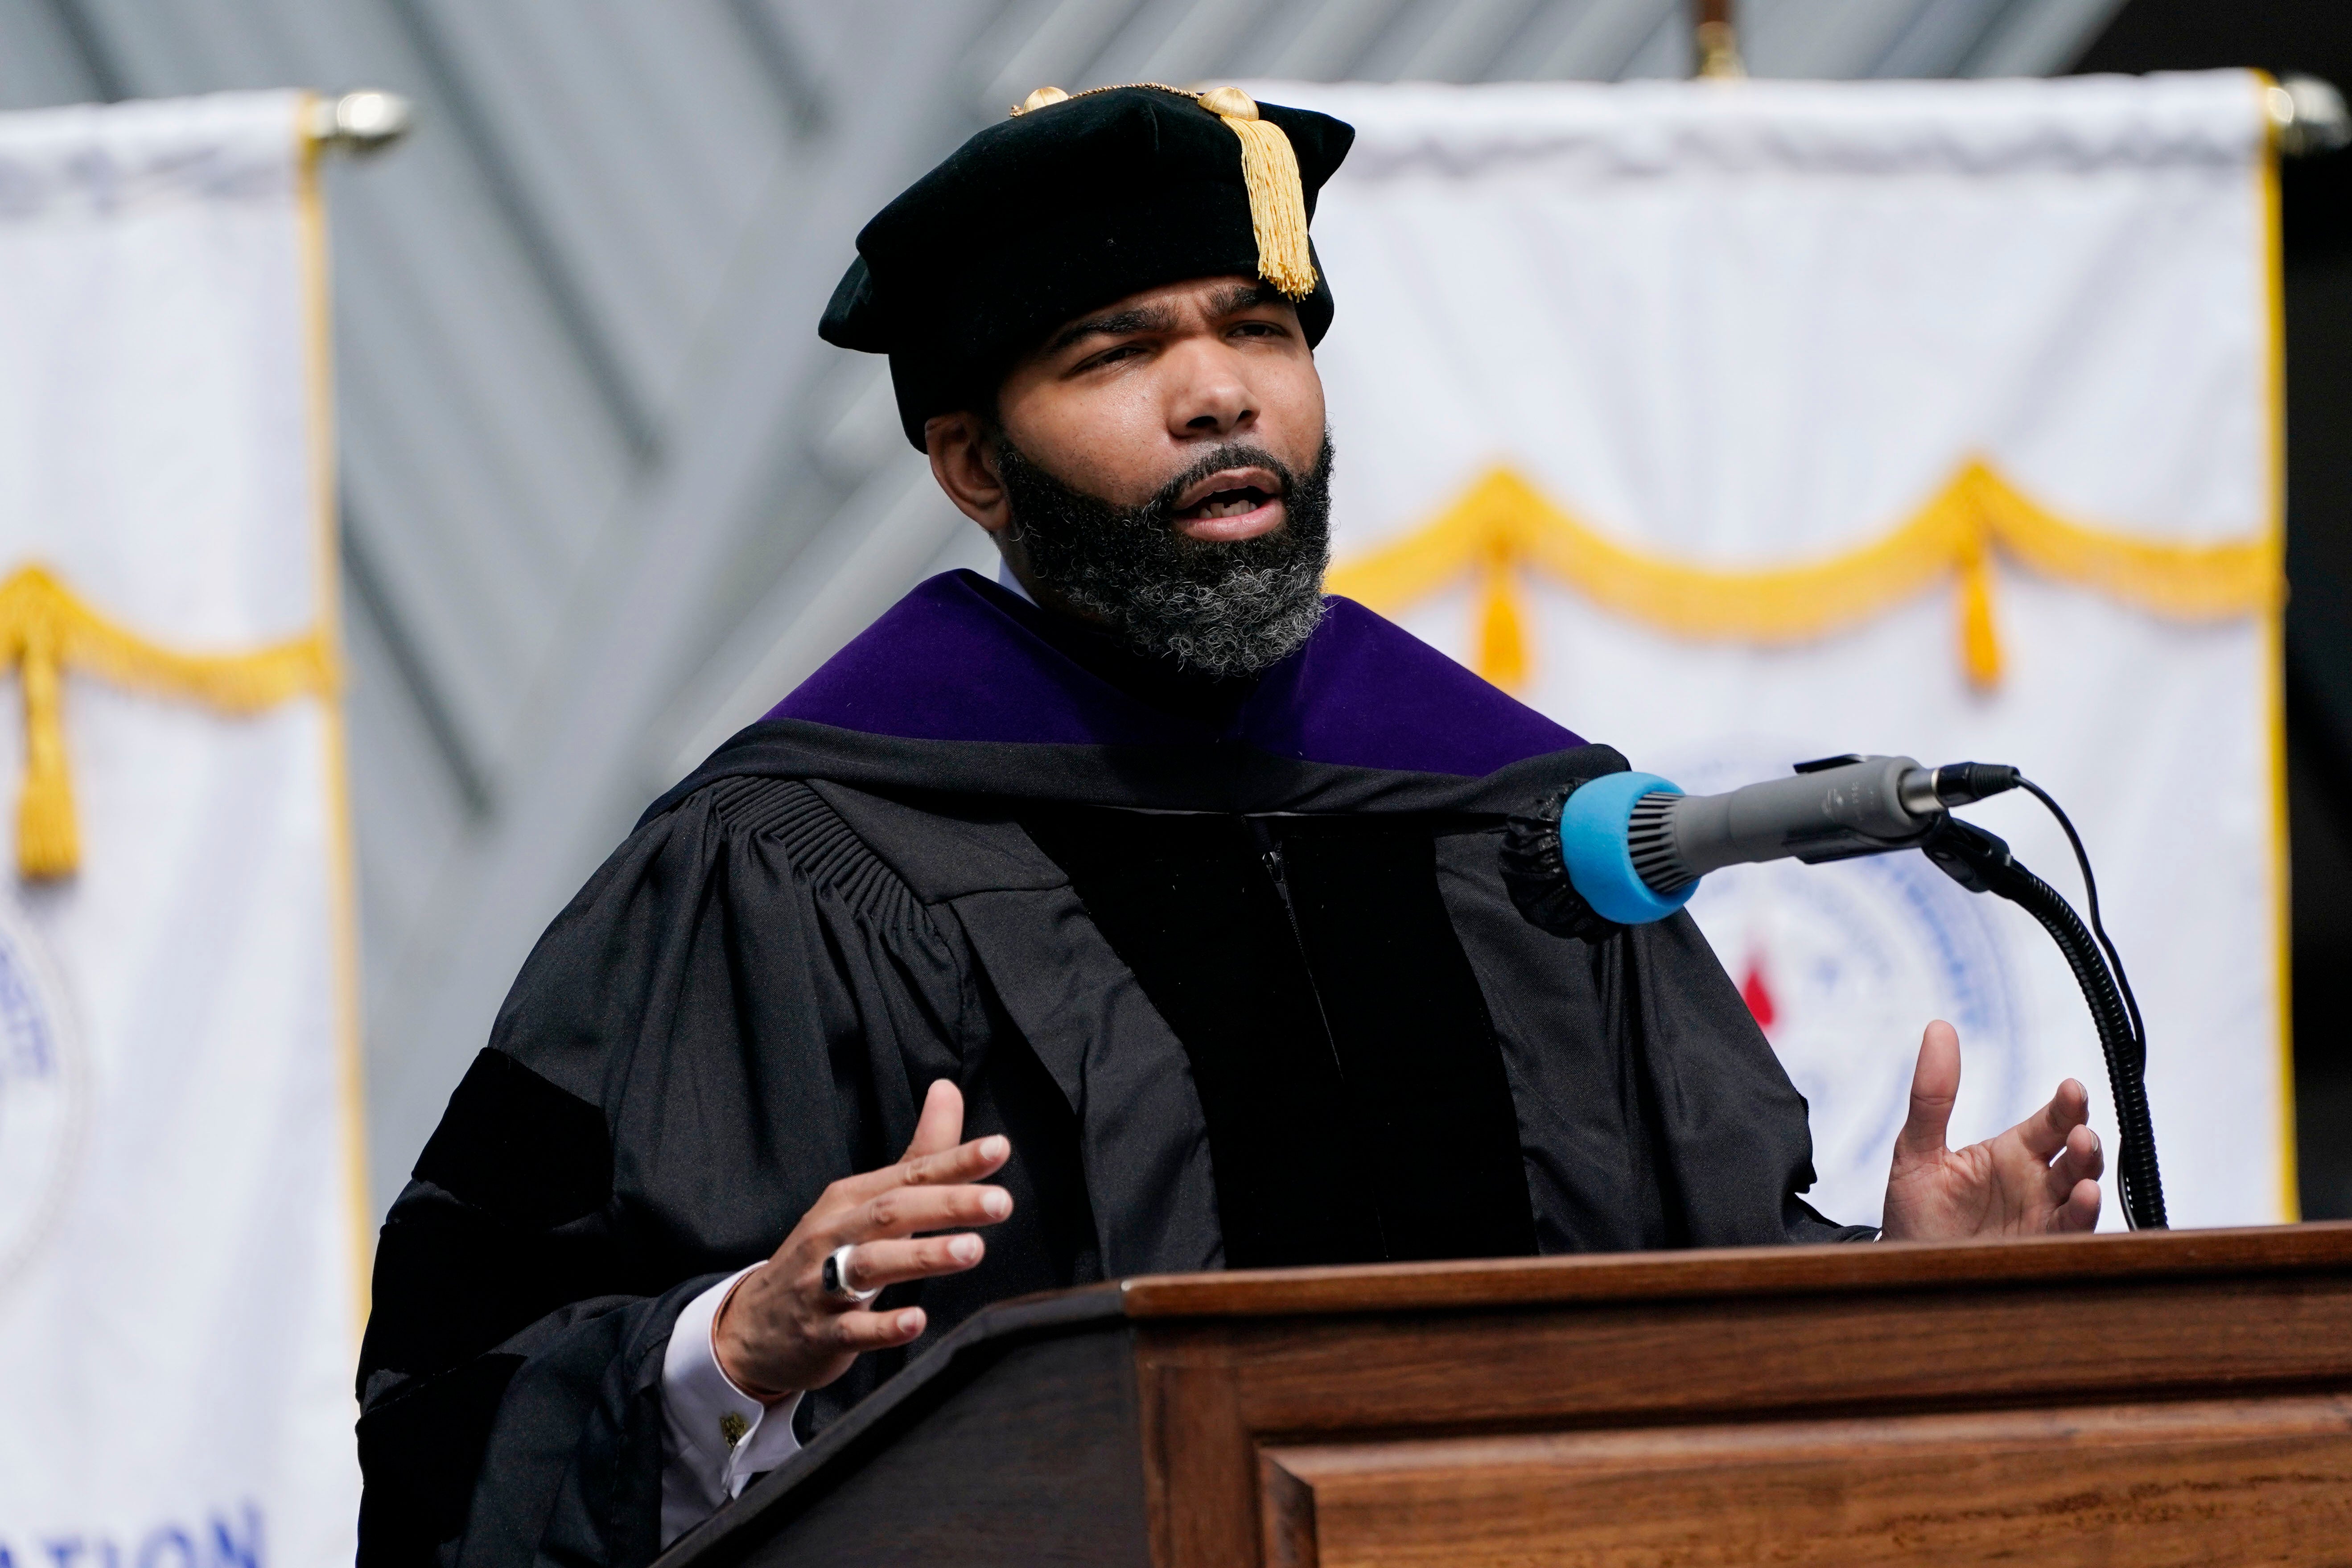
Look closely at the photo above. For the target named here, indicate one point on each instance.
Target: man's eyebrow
(1117, 324)
(1240, 297)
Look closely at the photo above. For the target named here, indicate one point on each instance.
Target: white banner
(180, 1222)
(1740, 424)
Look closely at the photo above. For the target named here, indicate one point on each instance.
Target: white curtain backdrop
(179, 1244)
(1740, 329)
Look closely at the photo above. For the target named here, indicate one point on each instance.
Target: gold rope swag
(45, 629)
(1503, 525)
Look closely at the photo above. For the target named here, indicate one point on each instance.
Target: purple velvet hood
(959, 658)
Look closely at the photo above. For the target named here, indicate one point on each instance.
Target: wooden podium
(2163, 1398)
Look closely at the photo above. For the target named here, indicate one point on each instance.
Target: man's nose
(1211, 400)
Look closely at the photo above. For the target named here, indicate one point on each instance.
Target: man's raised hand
(2040, 1175)
(780, 1331)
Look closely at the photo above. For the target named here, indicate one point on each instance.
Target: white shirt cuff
(715, 1437)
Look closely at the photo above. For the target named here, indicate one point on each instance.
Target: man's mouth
(1231, 503)
(1239, 503)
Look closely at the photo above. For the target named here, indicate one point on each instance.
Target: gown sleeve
(1654, 1112)
(735, 1012)
(1735, 1143)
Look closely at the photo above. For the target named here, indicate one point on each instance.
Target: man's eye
(1107, 356)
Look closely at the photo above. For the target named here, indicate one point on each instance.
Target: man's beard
(1221, 608)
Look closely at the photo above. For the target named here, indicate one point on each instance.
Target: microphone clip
(1976, 860)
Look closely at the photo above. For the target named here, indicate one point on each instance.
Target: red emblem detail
(1758, 995)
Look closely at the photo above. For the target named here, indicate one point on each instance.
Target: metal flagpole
(1717, 40)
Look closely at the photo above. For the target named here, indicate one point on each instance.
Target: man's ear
(965, 467)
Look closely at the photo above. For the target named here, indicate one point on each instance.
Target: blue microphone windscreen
(1593, 845)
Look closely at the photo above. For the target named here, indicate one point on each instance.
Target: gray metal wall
(605, 495)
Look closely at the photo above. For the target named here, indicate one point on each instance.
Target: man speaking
(1147, 900)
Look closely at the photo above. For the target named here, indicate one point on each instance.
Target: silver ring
(836, 1275)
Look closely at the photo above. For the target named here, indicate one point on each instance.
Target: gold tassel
(47, 846)
(1502, 637)
(1980, 647)
(1277, 201)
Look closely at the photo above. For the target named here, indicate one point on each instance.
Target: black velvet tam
(1051, 214)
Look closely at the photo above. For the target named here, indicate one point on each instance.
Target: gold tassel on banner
(1502, 627)
(45, 630)
(1277, 201)
(1979, 645)
(47, 844)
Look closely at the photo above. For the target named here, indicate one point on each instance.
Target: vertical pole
(1717, 39)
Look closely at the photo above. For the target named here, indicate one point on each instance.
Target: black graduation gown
(750, 998)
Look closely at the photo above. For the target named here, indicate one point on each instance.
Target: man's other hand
(780, 1333)
(2040, 1175)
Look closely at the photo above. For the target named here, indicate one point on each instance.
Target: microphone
(1629, 848)
(1633, 846)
